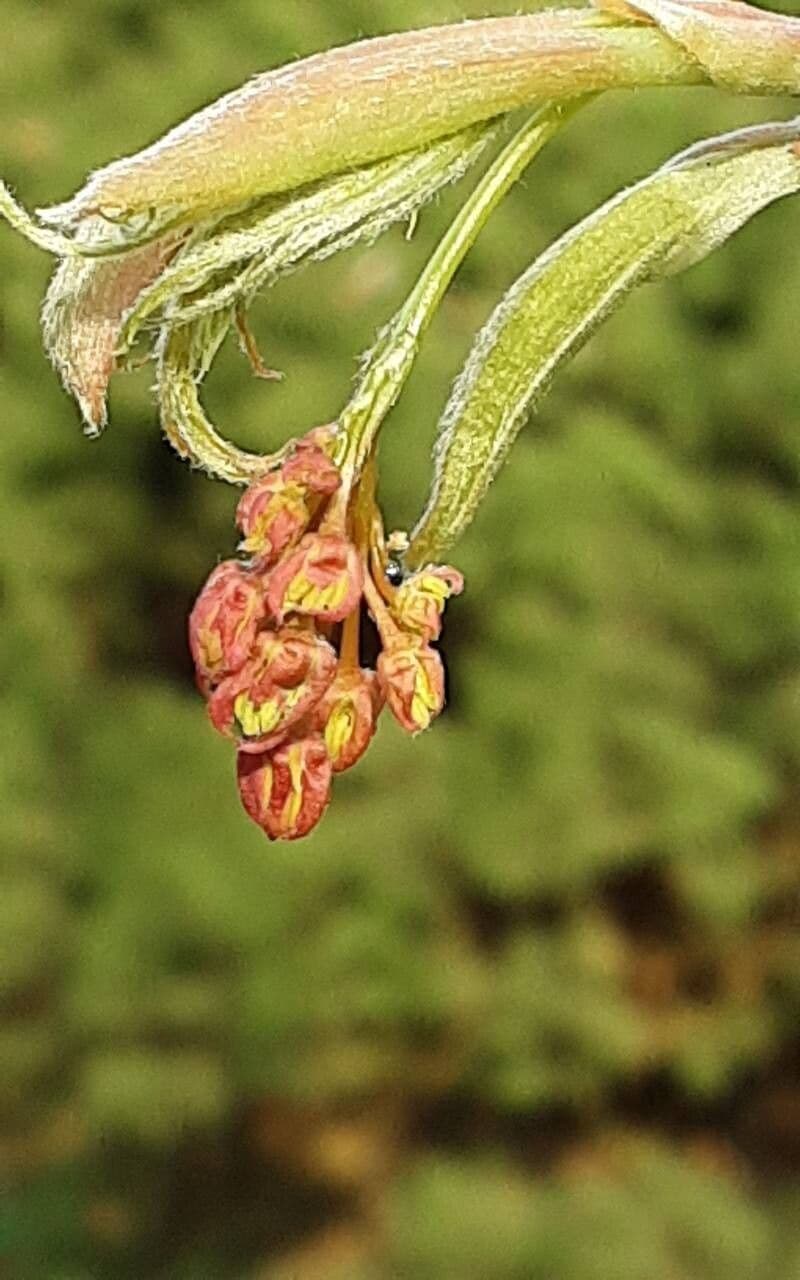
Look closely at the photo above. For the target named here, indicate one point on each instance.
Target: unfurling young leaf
(664, 224)
(396, 92)
(248, 251)
(393, 93)
(95, 308)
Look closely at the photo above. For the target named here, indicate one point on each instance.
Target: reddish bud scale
(347, 716)
(281, 683)
(311, 466)
(286, 793)
(275, 689)
(322, 578)
(412, 678)
(272, 515)
(276, 510)
(419, 603)
(224, 622)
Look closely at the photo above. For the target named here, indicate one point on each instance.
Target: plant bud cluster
(274, 638)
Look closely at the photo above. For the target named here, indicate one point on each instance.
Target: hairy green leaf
(248, 251)
(361, 103)
(664, 224)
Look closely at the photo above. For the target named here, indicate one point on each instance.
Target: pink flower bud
(419, 603)
(286, 793)
(347, 716)
(322, 577)
(277, 509)
(224, 622)
(281, 683)
(311, 465)
(412, 678)
(272, 514)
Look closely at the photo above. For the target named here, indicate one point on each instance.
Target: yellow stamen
(435, 587)
(298, 591)
(291, 809)
(246, 715)
(425, 703)
(269, 716)
(336, 593)
(254, 721)
(210, 648)
(266, 786)
(339, 729)
(420, 713)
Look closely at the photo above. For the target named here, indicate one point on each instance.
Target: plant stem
(390, 361)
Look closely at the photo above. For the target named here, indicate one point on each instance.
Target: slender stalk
(185, 424)
(389, 363)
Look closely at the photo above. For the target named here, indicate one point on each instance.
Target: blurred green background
(526, 1006)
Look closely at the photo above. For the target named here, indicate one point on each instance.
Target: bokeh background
(526, 1007)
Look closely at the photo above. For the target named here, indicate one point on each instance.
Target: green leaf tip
(23, 222)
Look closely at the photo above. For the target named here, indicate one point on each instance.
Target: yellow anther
(435, 587)
(336, 593)
(425, 703)
(339, 729)
(291, 809)
(266, 786)
(420, 712)
(210, 646)
(269, 716)
(298, 590)
(246, 715)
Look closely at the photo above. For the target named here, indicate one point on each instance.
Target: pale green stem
(180, 368)
(389, 363)
(337, 214)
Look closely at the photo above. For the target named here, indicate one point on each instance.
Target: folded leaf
(248, 251)
(96, 307)
(361, 103)
(662, 225)
(82, 318)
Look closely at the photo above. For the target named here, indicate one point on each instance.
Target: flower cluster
(275, 637)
